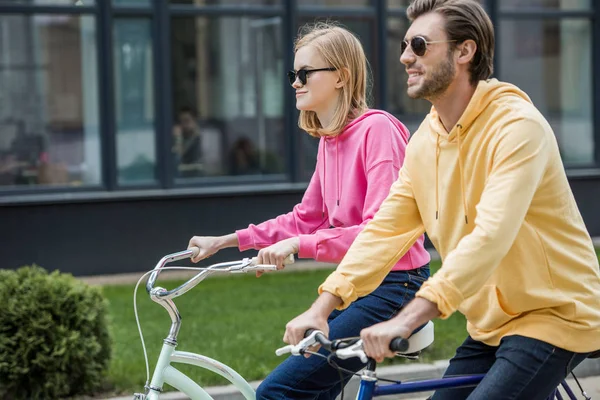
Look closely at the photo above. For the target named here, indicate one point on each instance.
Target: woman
(360, 153)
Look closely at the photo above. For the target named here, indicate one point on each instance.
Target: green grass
(238, 320)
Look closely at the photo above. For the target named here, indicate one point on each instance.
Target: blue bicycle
(370, 386)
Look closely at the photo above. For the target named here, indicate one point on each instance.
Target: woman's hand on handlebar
(277, 253)
(209, 245)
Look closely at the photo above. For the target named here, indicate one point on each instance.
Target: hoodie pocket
(488, 309)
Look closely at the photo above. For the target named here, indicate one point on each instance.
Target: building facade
(127, 126)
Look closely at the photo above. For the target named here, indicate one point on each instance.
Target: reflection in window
(335, 3)
(134, 100)
(131, 2)
(227, 2)
(411, 110)
(48, 101)
(405, 3)
(516, 5)
(228, 96)
(52, 2)
(551, 61)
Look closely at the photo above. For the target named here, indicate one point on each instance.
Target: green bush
(54, 339)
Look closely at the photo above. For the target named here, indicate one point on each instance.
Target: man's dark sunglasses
(418, 44)
(302, 74)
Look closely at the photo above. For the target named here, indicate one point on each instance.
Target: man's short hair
(465, 19)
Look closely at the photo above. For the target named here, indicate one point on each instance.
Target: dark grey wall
(105, 237)
(124, 236)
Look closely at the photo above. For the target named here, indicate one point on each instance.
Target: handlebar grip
(308, 332)
(399, 345)
(195, 251)
(284, 350)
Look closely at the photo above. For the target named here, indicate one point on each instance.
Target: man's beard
(441, 77)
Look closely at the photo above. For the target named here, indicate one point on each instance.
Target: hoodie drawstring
(437, 163)
(460, 171)
(337, 170)
(462, 180)
(324, 176)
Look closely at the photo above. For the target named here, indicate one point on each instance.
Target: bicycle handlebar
(245, 265)
(341, 348)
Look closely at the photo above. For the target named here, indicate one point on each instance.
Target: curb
(404, 372)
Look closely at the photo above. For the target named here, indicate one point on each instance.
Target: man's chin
(414, 93)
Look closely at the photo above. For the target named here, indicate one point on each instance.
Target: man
(188, 143)
(484, 178)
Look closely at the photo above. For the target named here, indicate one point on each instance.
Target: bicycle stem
(171, 308)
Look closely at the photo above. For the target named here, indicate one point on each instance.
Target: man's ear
(467, 51)
(343, 77)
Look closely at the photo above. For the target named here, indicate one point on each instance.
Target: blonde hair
(341, 50)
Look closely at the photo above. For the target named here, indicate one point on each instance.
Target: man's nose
(408, 57)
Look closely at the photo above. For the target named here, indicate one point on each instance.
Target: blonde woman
(360, 153)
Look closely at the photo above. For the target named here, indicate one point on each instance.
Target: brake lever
(351, 351)
(304, 344)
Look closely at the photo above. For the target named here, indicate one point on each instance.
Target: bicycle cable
(137, 319)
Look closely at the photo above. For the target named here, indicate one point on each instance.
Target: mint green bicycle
(164, 372)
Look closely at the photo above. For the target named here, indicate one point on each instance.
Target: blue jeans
(520, 368)
(313, 378)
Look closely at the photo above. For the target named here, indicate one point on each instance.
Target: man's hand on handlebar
(296, 328)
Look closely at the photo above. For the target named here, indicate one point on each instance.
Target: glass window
(228, 96)
(411, 111)
(131, 2)
(227, 2)
(551, 61)
(134, 100)
(51, 2)
(405, 3)
(335, 3)
(516, 5)
(49, 101)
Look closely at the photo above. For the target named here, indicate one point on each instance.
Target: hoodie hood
(349, 129)
(487, 92)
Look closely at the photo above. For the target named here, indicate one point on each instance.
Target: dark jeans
(313, 378)
(520, 368)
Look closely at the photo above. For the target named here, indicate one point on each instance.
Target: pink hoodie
(354, 173)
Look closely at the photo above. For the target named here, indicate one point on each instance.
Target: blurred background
(127, 126)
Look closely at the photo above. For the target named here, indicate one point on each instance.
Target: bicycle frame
(369, 389)
(164, 372)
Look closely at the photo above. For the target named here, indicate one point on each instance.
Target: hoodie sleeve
(383, 157)
(306, 217)
(384, 240)
(519, 160)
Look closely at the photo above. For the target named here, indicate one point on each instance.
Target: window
(551, 60)
(49, 101)
(228, 96)
(516, 5)
(134, 101)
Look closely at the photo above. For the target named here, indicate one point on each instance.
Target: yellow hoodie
(494, 199)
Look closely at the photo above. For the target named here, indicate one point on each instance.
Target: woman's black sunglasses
(418, 44)
(302, 74)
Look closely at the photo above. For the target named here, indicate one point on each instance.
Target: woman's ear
(343, 77)
(467, 50)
